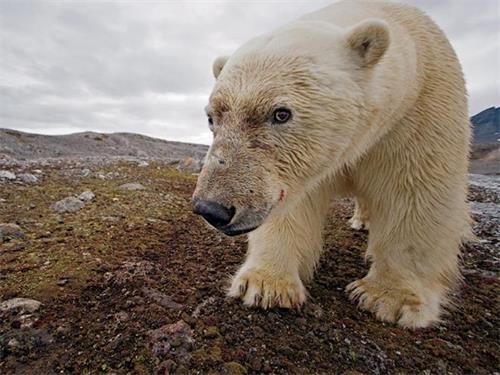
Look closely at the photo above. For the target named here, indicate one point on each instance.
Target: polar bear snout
(214, 213)
(230, 221)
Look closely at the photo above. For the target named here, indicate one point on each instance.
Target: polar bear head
(284, 113)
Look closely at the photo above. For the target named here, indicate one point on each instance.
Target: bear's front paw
(394, 305)
(267, 290)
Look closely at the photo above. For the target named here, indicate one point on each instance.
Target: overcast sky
(145, 66)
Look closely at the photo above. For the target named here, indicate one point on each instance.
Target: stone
(62, 281)
(27, 321)
(8, 230)
(161, 298)
(85, 172)
(28, 178)
(211, 332)
(86, 196)
(21, 305)
(233, 368)
(63, 329)
(14, 344)
(179, 335)
(121, 316)
(6, 175)
(313, 310)
(69, 204)
(132, 186)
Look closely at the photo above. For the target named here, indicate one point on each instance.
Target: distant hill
(487, 126)
(26, 146)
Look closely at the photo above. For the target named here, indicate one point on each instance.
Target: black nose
(213, 212)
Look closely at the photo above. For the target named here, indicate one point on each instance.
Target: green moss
(74, 245)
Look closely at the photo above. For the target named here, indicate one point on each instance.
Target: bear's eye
(281, 115)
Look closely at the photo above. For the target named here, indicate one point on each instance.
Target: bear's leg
(283, 253)
(360, 218)
(414, 264)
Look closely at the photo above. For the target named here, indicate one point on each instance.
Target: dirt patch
(134, 283)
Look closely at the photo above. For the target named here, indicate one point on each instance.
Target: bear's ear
(218, 65)
(369, 40)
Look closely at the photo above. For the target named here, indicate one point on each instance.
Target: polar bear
(363, 99)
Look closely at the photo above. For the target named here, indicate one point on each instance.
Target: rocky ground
(16, 146)
(103, 269)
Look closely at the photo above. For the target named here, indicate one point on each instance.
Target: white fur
(386, 123)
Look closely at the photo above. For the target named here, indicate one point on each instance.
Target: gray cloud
(146, 66)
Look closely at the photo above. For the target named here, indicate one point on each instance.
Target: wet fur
(388, 126)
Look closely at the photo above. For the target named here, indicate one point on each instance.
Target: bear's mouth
(232, 231)
(245, 221)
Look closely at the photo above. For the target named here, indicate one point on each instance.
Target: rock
(63, 329)
(142, 163)
(27, 321)
(285, 350)
(112, 219)
(132, 186)
(20, 305)
(211, 332)
(161, 298)
(69, 204)
(316, 311)
(28, 178)
(179, 335)
(107, 176)
(86, 196)
(85, 172)
(14, 344)
(62, 281)
(256, 364)
(189, 165)
(10, 231)
(233, 368)
(121, 316)
(6, 175)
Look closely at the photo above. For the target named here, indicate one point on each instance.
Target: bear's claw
(260, 289)
(391, 305)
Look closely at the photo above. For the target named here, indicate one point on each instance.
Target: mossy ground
(94, 270)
